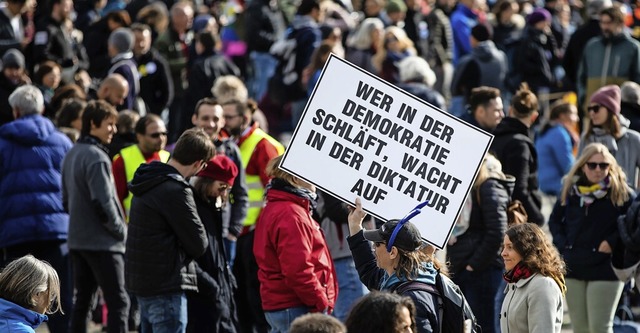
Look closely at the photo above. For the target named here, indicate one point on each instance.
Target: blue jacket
(31, 153)
(462, 20)
(555, 158)
(16, 319)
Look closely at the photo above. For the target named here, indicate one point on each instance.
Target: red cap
(220, 168)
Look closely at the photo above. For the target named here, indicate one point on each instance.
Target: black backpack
(453, 309)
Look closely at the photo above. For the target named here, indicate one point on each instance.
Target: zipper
(605, 65)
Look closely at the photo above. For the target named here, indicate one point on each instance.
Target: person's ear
(534, 116)
(194, 119)
(394, 253)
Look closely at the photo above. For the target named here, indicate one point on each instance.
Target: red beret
(220, 168)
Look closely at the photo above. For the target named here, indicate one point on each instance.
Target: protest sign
(360, 136)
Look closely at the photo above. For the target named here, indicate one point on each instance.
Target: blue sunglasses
(417, 210)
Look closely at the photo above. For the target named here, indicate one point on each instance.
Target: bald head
(181, 17)
(114, 89)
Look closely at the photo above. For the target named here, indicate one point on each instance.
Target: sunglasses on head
(594, 108)
(593, 165)
(158, 134)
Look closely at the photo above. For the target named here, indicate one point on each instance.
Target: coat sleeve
(494, 217)
(185, 222)
(557, 225)
(545, 304)
(292, 232)
(239, 194)
(563, 150)
(104, 201)
(517, 164)
(370, 274)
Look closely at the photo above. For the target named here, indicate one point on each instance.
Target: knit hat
(396, 6)
(220, 168)
(200, 22)
(13, 59)
(538, 15)
(122, 39)
(482, 32)
(609, 97)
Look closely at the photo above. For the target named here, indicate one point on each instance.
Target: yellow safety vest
(133, 158)
(254, 184)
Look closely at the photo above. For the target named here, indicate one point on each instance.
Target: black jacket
(514, 148)
(575, 49)
(265, 24)
(371, 276)
(7, 36)
(203, 73)
(479, 246)
(631, 111)
(579, 229)
(165, 233)
(96, 40)
(51, 43)
(212, 308)
(235, 211)
(535, 59)
(6, 88)
(156, 84)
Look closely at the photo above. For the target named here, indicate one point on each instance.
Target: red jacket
(294, 264)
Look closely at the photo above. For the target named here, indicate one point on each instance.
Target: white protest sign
(360, 136)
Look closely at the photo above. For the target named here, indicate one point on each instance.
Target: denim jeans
(264, 66)
(163, 314)
(480, 289)
(349, 285)
(280, 321)
(230, 251)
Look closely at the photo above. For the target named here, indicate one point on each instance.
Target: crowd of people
(140, 144)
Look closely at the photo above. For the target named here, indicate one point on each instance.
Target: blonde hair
(274, 171)
(490, 168)
(618, 188)
(361, 37)
(229, 87)
(26, 277)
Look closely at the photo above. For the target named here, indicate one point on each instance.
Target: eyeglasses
(594, 108)
(158, 134)
(593, 165)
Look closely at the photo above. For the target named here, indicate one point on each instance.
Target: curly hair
(618, 188)
(379, 312)
(537, 252)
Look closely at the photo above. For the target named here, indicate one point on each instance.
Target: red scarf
(519, 272)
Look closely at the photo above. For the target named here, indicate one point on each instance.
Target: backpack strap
(410, 285)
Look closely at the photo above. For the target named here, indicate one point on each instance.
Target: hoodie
(16, 319)
(484, 66)
(165, 233)
(31, 149)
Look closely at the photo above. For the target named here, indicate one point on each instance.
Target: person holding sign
(399, 255)
(295, 269)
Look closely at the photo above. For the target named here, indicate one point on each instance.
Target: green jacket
(607, 61)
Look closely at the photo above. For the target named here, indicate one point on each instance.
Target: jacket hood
(426, 275)
(486, 51)
(148, 176)
(510, 125)
(509, 183)
(14, 312)
(30, 130)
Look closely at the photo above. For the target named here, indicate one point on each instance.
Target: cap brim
(373, 235)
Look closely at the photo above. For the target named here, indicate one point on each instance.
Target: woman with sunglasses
(584, 228)
(607, 126)
(399, 255)
(212, 308)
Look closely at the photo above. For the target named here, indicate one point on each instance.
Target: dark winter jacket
(165, 233)
(234, 213)
(575, 49)
(535, 59)
(212, 308)
(156, 84)
(51, 43)
(373, 277)
(125, 65)
(203, 73)
(484, 66)
(514, 148)
(96, 41)
(579, 229)
(16, 319)
(6, 88)
(479, 246)
(265, 24)
(31, 153)
(631, 111)
(7, 35)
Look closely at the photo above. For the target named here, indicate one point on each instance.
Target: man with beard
(257, 148)
(208, 115)
(613, 57)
